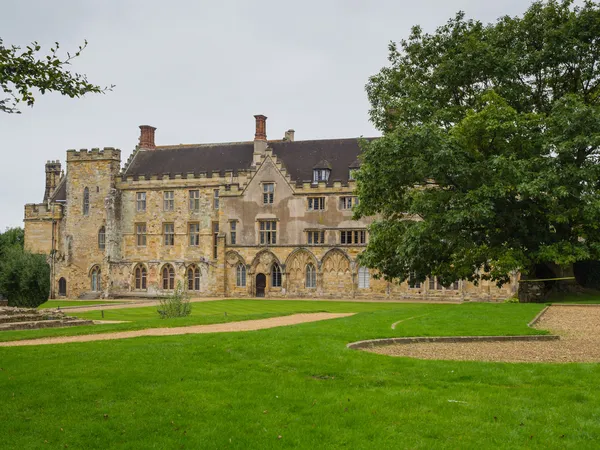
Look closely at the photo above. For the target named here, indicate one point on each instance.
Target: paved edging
(448, 339)
(538, 317)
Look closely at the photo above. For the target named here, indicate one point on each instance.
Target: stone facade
(256, 229)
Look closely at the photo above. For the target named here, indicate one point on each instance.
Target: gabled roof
(60, 194)
(192, 158)
(298, 157)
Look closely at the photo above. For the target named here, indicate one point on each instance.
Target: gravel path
(246, 325)
(577, 326)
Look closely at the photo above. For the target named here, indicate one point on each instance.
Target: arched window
(62, 287)
(276, 275)
(86, 201)
(168, 276)
(363, 278)
(311, 276)
(96, 279)
(102, 238)
(240, 273)
(141, 275)
(193, 278)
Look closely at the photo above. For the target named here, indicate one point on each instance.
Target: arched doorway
(261, 283)
(62, 287)
(96, 279)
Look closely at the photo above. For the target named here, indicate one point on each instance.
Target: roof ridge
(213, 144)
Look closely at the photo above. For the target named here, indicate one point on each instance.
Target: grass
(66, 303)
(297, 387)
(222, 311)
(588, 297)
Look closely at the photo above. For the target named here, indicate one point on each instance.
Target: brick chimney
(52, 177)
(260, 138)
(261, 128)
(289, 135)
(147, 137)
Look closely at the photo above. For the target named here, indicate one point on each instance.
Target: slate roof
(299, 158)
(60, 195)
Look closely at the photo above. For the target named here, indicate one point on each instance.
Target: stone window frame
(193, 278)
(267, 231)
(168, 277)
(412, 282)
(194, 196)
(86, 202)
(215, 239)
(364, 278)
(140, 201)
(347, 202)
(352, 174)
(140, 234)
(435, 285)
(168, 201)
(194, 240)
(310, 280)
(316, 203)
(216, 199)
(240, 275)
(168, 234)
(268, 192)
(353, 237)
(311, 234)
(233, 232)
(140, 275)
(276, 275)
(102, 238)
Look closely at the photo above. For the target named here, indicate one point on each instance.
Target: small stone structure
(12, 319)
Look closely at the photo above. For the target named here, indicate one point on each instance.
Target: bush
(511, 300)
(24, 277)
(176, 305)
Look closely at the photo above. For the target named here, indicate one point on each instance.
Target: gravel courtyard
(577, 326)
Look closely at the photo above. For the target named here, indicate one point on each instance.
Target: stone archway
(336, 269)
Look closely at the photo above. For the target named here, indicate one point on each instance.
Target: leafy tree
(24, 276)
(12, 237)
(489, 160)
(23, 70)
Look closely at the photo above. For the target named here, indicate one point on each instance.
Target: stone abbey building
(243, 219)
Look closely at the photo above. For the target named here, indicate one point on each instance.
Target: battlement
(95, 154)
(43, 211)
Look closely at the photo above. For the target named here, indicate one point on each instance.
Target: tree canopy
(21, 71)
(489, 160)
(24, 276)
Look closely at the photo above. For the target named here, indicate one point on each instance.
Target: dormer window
(321, 171)
(321, 175)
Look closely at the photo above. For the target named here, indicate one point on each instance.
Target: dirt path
(577, 326)
(247, 325)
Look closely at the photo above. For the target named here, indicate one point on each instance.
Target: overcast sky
(199, 70)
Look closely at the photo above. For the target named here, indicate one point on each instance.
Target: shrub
(511, 300)
(24, 277)
(176, 305)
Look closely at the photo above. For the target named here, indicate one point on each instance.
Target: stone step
(22, 318)
(44, 324)
(90, 295)
(11, 311)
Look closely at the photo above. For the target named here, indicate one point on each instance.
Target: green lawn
(65, 303)
(297, 387)
(221, 311)
(589, 297)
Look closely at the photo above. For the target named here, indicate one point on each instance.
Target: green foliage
(22, 70)
(511, 300)
(176, 305)
(490, 154)
(24, 278)
(12, 237)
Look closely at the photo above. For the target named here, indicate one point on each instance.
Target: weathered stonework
(67, 229)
